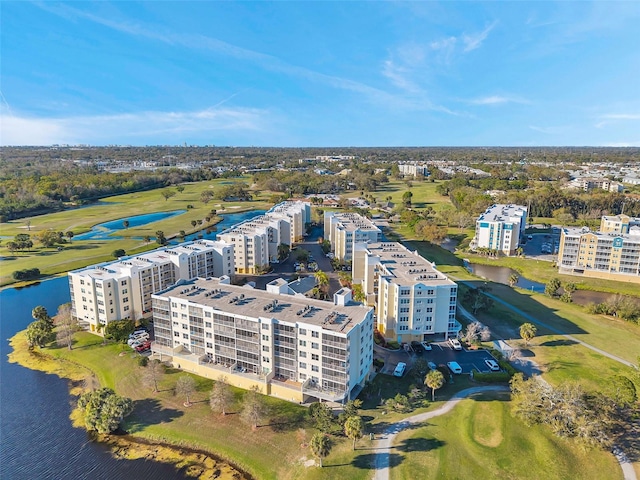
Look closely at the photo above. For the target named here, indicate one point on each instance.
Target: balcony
(313, 389)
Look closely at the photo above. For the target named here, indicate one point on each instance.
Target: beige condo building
(345, 229)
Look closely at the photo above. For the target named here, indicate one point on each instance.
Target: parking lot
(441, 353)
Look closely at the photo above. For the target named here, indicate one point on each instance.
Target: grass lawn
(80, 253)
(480, 439)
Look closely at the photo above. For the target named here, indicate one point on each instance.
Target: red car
(143, 347)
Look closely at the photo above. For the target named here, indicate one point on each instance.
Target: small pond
(104, 231)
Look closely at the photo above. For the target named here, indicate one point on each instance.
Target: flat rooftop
(255, 303)
(406, 266)
(501, 212)
(353, 222)
(634, 233)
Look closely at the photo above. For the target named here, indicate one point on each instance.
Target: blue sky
(320, 73)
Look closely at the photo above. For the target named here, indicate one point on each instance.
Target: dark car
(417, 347)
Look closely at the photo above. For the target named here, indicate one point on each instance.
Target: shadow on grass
(558, 343)
(367, 461)
(150, 411)
(419, 445)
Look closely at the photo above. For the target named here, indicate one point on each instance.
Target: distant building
(293, 348)
(602, 183)
(344, 230)
(122, 289)
(618, 223)
(611, 255)
(414, 170)
(413, 300)
(500, 228)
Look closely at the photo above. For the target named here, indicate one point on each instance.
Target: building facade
(413, 300)
(344, 230)
(618, 223)
(290, 347)
(500, 228)
(412, 169)
(122, 289)
(609, 255)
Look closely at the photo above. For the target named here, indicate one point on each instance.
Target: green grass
(80, 253)
(480, 439)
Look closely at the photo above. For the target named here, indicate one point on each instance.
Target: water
(228, 220)
(104, 231)
(36, 436)
(502, 274)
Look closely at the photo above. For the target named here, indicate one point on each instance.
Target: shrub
(27, 274)
(378, 363)
(492, 377)
(508, 367)
(393, 345)
(143, 361)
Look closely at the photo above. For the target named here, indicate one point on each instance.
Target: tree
(104, 409)
(513, 279)
(160, 238)
(180, 188)
(186, 386)
(146, 239)
(221, 396)
(119, 330)
(320, 446)
(194, 223)
(66, 325)
(623, 391)
(475, 331)
(552, 287)
(118, 253)
(322, 416)
(48, 238)
(253, 408)
(70, 235)
(358, 293)
(40, 313)
(167, 194)
(434, 380)
(302, 255)
(153, 373)
(527, 332)
(283, 251)
(430, 231)
(38, 334)
(406, 198)
(354, 428)
(126, 224)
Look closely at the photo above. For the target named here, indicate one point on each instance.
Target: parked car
(454, 367)
(417, 347)
(400, 368)
(432, 365)
(455, 344)
(143, 347)
(493, 365)
(427, 346)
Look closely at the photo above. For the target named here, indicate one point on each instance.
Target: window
(265, 326)
(126, 308)
(303, 365)
(208, 334)
(314, 368)
(302, 354)
(265, 359)
(303, 343)
(207, 324)
(174, 314)
(303, 331)
(314, 345)
(209, 345)
(185, 335)
(123, 283)
(315, 356)
(265, 338)
(124, 290)
(176, 334)
(125, 300)
(207, 314)
(315, 334)
(265, 348)
(303, 376)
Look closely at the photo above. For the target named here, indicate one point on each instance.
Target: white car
(455, 344)
(400, 368)
(454, 367)
(493, 365)
(427, 346)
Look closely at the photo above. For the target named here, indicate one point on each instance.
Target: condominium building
(413, 169)
(256, 240)
(291, 347)
(618, 223)
(610, 255)
(413, 300)
(344, 230)
(122, 289)
(500, 228)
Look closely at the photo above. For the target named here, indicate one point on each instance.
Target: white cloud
(497, 100)
(473, 41)
(610, 118)
(108, 129)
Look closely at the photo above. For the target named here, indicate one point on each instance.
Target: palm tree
(513, 279)
(527, 332)
(320, 446)
(70, 235)
(434, 380)
(354, 428)
(126, 224)
(146, 238)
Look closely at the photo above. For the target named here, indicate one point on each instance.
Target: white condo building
(500, 228)
(291, 347)
(256, 240)
(413, 300)
(122, 289)
(344, 230)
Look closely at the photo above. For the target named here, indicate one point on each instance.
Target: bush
(378, 363)
(492, 377)
(27, 274)
(143, 361)
(508, 367)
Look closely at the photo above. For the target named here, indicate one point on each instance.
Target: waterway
(36, 436)
(104, 231)
(228, 220)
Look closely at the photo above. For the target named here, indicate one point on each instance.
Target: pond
(104, 231)
(228, 220)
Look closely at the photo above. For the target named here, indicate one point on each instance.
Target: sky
(320, 74)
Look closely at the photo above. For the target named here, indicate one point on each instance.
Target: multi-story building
(291, 347)
(413, 169)
(413, 300)
(610, 255)
(256, 240)
(122, 289)
(344, 230)
(500, 228)
(618, 223)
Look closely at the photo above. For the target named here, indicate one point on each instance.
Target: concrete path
(385, 444)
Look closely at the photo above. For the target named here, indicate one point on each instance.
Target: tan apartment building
(288, 346)
(413, 300)
(345, 229)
